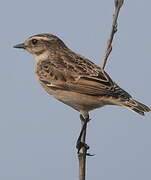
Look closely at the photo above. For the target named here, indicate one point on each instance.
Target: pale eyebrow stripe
(40, 38)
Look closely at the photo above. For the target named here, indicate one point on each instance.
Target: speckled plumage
(73, 79)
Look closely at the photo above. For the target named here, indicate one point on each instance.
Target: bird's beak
(21, 46)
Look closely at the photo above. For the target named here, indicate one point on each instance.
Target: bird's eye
(34, 41)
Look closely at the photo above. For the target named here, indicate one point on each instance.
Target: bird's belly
(79, 101)
(76, 100)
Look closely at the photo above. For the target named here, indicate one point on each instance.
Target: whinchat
(73, 79)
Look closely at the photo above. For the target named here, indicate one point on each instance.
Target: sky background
(38, 133)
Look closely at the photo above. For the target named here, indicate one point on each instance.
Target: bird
(73, 79)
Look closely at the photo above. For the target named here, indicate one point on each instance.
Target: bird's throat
(41, 56)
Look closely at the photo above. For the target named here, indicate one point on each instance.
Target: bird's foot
(81, 145)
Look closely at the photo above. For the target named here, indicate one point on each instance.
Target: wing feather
(94, 84)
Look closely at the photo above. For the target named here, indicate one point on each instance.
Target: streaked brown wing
(100, 85)
(78, 74)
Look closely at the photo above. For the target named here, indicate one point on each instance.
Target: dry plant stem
(82, 156)
(83, 151)
(108, 49)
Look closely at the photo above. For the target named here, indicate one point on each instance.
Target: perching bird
(73, 79)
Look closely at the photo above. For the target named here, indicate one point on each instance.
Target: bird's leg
(81, 139)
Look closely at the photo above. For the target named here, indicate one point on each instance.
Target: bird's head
(41, 43)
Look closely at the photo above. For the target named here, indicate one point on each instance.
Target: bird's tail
(136, 106)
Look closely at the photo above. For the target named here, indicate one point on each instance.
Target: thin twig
(108, 49)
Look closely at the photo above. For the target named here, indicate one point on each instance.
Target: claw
(83, 154)
(88, 154)
(81, 145)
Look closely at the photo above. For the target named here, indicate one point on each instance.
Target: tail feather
(136, 106)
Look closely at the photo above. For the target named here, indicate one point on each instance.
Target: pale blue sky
(38, 133)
